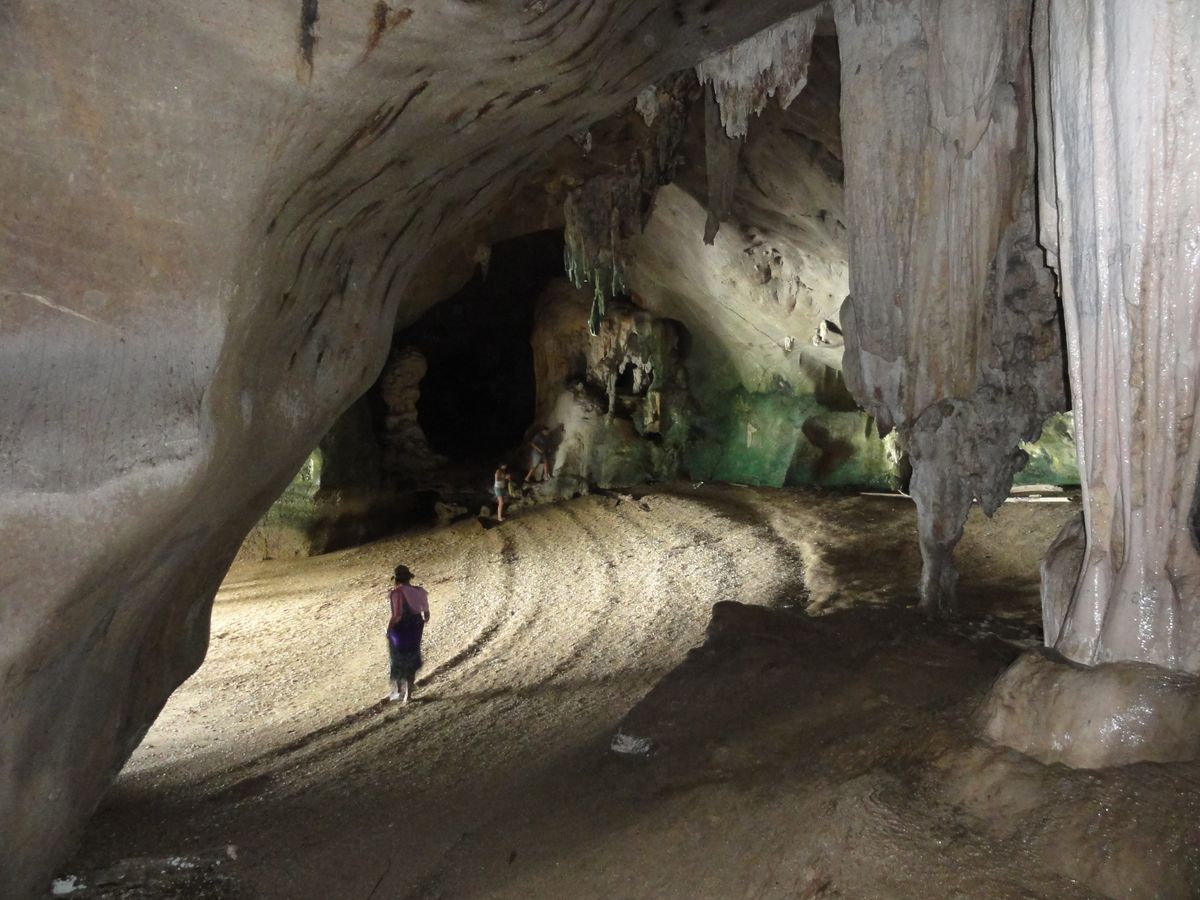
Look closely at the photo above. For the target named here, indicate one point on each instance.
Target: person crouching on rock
(539, 454)
(410, 612)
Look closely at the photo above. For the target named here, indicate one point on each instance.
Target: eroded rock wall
(617, 402)
(214, 212)
(336, 499)
(951, 324)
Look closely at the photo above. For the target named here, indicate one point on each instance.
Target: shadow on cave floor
(546, 631)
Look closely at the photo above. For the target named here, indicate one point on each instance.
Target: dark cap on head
(403, 574)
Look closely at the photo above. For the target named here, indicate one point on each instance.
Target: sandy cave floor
(792, 755)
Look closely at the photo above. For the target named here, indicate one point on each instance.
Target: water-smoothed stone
(1058, 711)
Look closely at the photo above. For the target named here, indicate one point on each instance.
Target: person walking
(500, 483)
(409, 605)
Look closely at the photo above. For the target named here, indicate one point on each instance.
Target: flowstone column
(1122, 157)
(1119, 152)
(951, 327)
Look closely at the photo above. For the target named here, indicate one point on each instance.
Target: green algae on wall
(843, 449)
(1052, 458)
(776, 439)
(334, 500)
(749, 438)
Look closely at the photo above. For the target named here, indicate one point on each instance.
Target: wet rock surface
(1094, 716)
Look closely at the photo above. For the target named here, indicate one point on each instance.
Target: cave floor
(827, 756)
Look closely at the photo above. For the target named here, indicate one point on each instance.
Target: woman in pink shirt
(410, 611)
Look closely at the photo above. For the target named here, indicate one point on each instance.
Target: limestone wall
(213, 215)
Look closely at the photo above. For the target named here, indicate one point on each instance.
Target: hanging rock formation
(214, 212)
(760, 301)
(951, 325)
(738, 82)
(617, 402)
(773, 63)
(608, 208)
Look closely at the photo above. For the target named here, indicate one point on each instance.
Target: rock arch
(216, 213)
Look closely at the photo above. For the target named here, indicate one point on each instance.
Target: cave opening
(634, 379)
(478, 394)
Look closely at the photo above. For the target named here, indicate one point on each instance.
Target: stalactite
(951, 327)
(738, 83)
(608, 208)
(773, 63)
(721, 155)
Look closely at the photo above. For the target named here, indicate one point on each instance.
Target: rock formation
(336, 499)
(217, 214)
(951, 325)
(406, 450)
(1119, 174)
(617, 403)
(214, 214)
(739, 81)
(1119, 220)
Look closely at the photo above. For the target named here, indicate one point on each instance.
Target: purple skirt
(406, 634)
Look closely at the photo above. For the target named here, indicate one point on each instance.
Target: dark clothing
(411, 605)
(404, 663)
(537, 448)
(404, 635)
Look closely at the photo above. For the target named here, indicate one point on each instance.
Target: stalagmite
(951, 329)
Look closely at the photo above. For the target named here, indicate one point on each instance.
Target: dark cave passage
(477, 397)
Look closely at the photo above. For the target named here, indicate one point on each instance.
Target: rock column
(1119, 151)
(951, 327)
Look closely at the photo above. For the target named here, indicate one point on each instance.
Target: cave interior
(804, 294)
